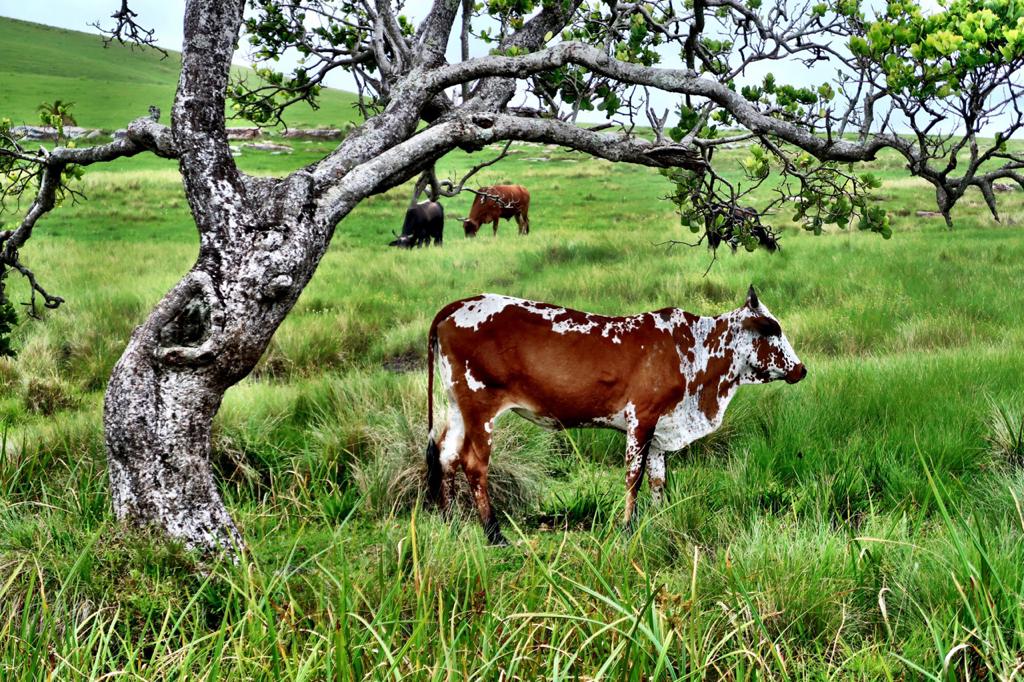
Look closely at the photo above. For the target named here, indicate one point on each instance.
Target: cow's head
(765, 349)
(402, 241)
(471, 227)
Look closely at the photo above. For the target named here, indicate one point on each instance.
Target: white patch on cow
(686, 423)
(471, 381)
(474, 313)
(551, 313)
(623, 420)
(489, 428)
(622, 326)
(629, 412)
(656, 473)
(633, 447)
(677, 318)
(453, 436)
(663, 324)
(656, 465)
(446, 371)
(489, 424)
(566, 326)
(702, 353)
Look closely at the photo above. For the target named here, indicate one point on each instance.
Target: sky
(165, 16)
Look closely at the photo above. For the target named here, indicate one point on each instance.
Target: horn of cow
(752, 301)
(510, 203)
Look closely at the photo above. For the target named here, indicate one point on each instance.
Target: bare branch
(144, 134)
(127, 31)
(450, 189)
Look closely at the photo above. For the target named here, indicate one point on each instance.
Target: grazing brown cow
(499, 201)
(664, 378)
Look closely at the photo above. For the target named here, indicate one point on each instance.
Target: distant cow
(665, 378)
(423, 222)
(499, 201)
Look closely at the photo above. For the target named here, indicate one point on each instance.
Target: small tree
(57, 113)
(922, 85)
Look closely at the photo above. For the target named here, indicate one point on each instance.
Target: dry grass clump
(393, 477)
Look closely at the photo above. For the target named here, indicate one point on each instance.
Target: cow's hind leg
(453, 441)
(476, 459)
(476, 466)
(656, 474)
(495, 227)
(638, 444)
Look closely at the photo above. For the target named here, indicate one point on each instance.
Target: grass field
(864, 524)
(108, 86)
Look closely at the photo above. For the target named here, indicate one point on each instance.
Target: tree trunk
(159, 407)
(205, 336)
(157, 420)
(260, 240)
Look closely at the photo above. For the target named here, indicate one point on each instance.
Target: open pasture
(109, 86)
(864, 524)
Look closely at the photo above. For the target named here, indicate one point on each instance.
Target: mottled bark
(203, 337)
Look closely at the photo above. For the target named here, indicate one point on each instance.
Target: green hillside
(41, 63)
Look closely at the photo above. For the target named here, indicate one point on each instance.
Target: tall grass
(864, 524)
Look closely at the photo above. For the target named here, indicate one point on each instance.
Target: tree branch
(127, 31)
(144, 134)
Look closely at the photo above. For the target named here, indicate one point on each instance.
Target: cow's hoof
(494, 536)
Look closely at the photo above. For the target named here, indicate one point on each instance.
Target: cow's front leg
(638, 445)
(495, 227)
(656, 474)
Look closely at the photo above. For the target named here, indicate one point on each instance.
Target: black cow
(423, 222)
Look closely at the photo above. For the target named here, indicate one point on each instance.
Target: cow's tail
(434, 473)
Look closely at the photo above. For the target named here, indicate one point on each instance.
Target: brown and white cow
(499, 201)
(665, 378)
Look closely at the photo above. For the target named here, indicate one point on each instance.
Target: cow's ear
(763, 325)
(752, 301)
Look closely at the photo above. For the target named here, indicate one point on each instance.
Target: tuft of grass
(1005, 431)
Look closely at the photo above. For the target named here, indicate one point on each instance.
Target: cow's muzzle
(796, 374)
